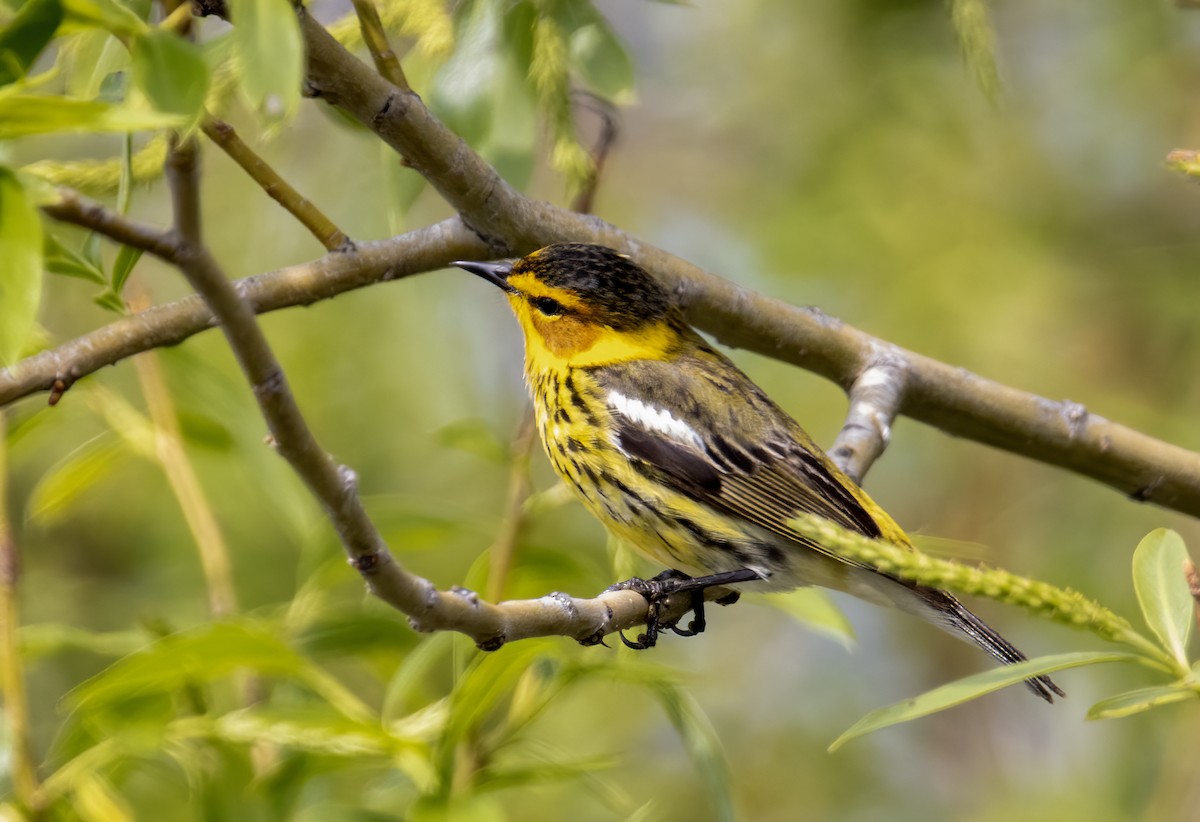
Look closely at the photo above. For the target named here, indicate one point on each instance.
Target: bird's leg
(657, 590)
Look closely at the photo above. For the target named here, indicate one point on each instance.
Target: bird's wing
(715, 436)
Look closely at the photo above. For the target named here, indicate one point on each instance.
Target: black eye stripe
(548, 306)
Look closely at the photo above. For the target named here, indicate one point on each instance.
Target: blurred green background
(831, 153)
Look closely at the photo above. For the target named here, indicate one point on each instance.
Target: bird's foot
(658, 590)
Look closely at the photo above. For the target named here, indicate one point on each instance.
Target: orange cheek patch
(565, 336)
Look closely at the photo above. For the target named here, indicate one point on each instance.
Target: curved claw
(644, 641)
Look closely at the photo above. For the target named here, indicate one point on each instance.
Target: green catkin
(1047, 601)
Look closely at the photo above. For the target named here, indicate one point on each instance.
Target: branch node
(349, 479)
(564, 601)
(875, 398)
(272, 383)
(494, 643)
(61, 386)
(1076, 417)
(466, 594)
(366, 564)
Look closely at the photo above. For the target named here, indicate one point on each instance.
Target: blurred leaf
(511, 141)
(977, 39)
(130, 424)
(316, 729)
(91, 57)
(972, 687)
(111, 301)
(95, 800)
(23, 115)
(123, 265)
(50, 638)
(1162, 590)
(1143, 699)
(475, 437)
(21, 271)
(355, 633)
(108, 14)
(201, 429)
(60, 486)
(24, 38)
(602, 62)
(815, 609)
(462, 91)
(703, 747)
(61, 260)
(204, 654)
(270, 50)
(496, 778)
(413, 673)
(171, 72)
(404, 186)
(458, 807)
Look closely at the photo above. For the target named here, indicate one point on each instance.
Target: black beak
(494, 273)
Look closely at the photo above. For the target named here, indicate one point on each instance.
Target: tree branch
(72, 207)
(954, 400)
(425, 249)
(386, 62)
(875, 399)
(277, 188)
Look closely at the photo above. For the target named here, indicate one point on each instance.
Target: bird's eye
(548, 306)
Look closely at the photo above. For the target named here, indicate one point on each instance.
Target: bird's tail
(951, 615)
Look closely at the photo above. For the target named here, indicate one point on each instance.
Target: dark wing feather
(759, 468)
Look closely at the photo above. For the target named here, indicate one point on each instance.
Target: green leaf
(91, 57)
(475, 437)
(46, 639)
(703, 747)
(60, 486)
(972, 687)
(977, 39)
(318, 730)
(203, 430)
(171, 72)
(61, 260)
(1162, 590)
(23, 39)
(462, 92)
(1143, 699)
(179, 660)
(123, 265)
(270, 49)
(21, 269)
(110, 300)
(107, 14)
(813, 608)
(602, 62)
(23, 115)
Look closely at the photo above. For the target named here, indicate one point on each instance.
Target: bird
(681, 455)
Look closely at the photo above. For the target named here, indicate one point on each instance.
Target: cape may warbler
(675, 450)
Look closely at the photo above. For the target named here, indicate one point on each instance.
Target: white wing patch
(653, 419)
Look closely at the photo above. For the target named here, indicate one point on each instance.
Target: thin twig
(56, 369)
(374, 35)
(197, 513)
(22, 765)
(605, 140)
(277, 188)
(72, 207)
(875, 399)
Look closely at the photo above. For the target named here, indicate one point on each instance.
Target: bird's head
(583, 305)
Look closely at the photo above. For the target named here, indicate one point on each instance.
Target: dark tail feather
(983, 635)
